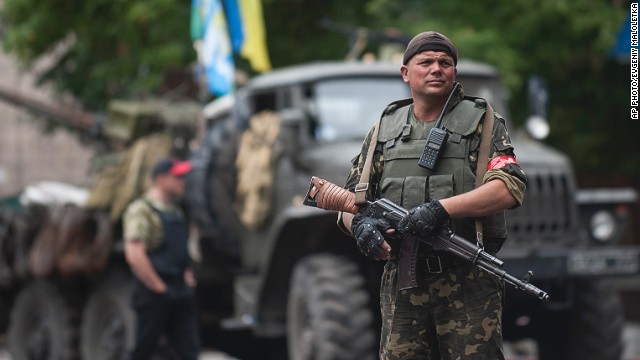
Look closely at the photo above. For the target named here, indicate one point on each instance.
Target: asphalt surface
(523, 350)
(204, 355)
(631, 336)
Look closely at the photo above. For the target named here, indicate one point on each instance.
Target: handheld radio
(436, 140)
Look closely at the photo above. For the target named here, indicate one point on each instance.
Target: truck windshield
(348, 108)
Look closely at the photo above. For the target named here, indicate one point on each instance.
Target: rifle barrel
(517, 283)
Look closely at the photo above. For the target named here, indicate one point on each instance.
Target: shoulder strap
(149, 204)
(483, 159)
(363, 185)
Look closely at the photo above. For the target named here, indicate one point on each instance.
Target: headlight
(603, 226)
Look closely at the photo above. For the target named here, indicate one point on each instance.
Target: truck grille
(548, 214)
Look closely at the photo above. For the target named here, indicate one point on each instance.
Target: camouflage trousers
(456, 314)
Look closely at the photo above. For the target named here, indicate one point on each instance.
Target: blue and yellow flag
(234, 18)
(220, 31)
(254, 48)
(210, 37)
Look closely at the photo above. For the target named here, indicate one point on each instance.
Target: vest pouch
(391, 188)
(440, 186)
(407, 192)
(414, 192)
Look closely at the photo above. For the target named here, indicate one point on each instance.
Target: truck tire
(329, 316)
(590, 329)
(43, 325)
(597, 321)
(107, 330)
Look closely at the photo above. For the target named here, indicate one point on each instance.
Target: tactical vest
(404, 182)
(171, 257)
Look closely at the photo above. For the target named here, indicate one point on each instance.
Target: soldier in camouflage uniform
(156, 234)
(453, 309)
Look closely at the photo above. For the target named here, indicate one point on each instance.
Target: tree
(298, 30)
(101, 48)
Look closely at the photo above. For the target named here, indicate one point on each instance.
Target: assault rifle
(326, 195)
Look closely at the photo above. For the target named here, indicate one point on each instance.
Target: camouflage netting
(254, 163)
(126, 178)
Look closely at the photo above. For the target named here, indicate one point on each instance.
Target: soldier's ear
(404, 71)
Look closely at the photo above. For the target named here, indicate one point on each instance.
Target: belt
(433, 264)
(436, 264)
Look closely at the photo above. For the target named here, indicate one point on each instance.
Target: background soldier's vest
(404, 182)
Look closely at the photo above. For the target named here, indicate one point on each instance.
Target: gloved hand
(368, 233)
(423, 219)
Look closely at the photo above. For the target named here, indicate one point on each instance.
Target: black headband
(430, 41)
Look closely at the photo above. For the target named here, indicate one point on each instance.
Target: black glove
(368, 233)
(422, 220)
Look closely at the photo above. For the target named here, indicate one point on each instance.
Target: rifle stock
(326, 195)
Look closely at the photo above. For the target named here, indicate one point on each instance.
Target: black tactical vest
(171, 257)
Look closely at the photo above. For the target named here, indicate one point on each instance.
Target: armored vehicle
(281, 276)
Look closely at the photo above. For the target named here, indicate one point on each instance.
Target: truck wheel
(43, 326)
(596, 322)
(591, 329)
(108, 321)
(329, 316)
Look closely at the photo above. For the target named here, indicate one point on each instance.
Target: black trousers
(172, 314)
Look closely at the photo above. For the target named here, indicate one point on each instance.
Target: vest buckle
(361, 187)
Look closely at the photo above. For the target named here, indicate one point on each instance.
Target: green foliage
(518, 36)
(295, 33)
(119, 48)
(102, 48)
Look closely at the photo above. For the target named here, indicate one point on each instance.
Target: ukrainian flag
(219, 31)
(211, 41)
(254, 48)
(234, 18)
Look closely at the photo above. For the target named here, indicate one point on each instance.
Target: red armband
(499, 162)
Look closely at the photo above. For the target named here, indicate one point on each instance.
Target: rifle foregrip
(330, 196)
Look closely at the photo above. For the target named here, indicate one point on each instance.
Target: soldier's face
(179, 186)
(174, 186)
(430, 73)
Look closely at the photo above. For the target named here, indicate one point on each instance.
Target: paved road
(205, 355)
(631, 337)
(525, 350)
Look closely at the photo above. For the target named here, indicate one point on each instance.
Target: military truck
(273, 273)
